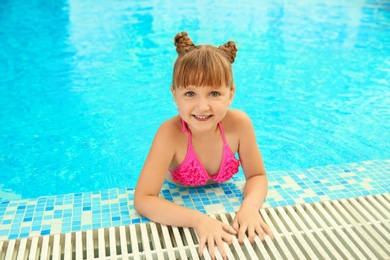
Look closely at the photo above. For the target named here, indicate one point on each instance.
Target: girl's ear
(173, 91)
(173, 94)
(232, 92)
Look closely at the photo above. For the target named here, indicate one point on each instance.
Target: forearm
(255, 191)
(165, 212)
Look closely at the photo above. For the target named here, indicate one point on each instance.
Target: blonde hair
(202, 65)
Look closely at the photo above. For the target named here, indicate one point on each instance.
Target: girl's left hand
(249, 221)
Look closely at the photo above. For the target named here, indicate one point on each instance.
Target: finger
(241, 234)
(260, 232)
(210, 246)
(227, 238)
(235, 224)
(267, 230)
(229, 229)
(251, 234)
(221, 248)
(201, 246)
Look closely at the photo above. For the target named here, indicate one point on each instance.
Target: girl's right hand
(213, 233)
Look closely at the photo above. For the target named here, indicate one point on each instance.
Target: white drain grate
(357, 228)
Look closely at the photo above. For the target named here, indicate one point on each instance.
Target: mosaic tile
(114, 207)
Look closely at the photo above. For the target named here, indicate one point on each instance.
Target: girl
(197, 147)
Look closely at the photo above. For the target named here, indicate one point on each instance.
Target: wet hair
(202, 65)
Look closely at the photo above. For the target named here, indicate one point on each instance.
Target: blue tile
(24, 235)
(45, 232)
(136, 221)
(13, 236)
(4, 232)
(76, 228)
(97, 225)
(66, 230)
(282, 203)
(86, 227)
(6, 222)
(27, 219)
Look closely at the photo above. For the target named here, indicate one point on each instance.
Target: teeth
(201, 117)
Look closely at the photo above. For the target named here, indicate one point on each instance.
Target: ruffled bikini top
(191, 171)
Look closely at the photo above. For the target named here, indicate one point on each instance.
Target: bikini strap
(222, 133)
(184, 128)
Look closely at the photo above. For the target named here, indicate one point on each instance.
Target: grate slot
(307, 235)
(340, 231)
(336, 244)
(34, 247)
(179, 242)
(383, 203)
(167, 241)
(370, 208)
(271, 219)
(155, 238)
(268, 244)
(382, 226)
(122, 247)
(360, 234)
(22, 253)
(293, 248)
(365, 229)
(191, 243)
(45, 248)
(318, 233)
(134, 241)
(90, 245)
(10, 254)
(102, 242)
(79, 245)
(303, 245)
(2, 253)
(341, 216)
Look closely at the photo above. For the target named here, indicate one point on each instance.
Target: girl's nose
(203, 104)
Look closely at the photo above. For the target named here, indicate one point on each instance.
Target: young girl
(198, 147)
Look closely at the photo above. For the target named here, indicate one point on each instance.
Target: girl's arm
(248, 219)
(148, 203)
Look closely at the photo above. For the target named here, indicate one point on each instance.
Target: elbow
(142, 203)
(138, 198)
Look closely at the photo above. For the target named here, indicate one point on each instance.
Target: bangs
(202, 68)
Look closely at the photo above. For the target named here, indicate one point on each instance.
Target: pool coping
(92, 210)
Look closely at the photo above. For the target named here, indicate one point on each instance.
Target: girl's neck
(207, 134)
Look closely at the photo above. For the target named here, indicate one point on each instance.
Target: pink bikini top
(191, 171)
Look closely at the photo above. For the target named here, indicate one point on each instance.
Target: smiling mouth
(201, 117)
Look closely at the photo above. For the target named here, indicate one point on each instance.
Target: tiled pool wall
(114, 207)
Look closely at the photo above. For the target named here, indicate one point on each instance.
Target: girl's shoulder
(168, 135)
(236, 118)
(237, 124)
(170, 128)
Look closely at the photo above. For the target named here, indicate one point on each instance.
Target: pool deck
(114, 207)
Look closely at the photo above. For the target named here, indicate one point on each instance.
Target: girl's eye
(215, 94)
(189, 94)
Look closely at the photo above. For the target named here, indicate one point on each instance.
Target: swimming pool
(85, 85)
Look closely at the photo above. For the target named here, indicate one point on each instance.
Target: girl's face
(202, 107)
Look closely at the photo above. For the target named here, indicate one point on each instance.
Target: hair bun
(230, 49)
(183, 43)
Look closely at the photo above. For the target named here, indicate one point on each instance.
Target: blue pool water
(85, 84)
